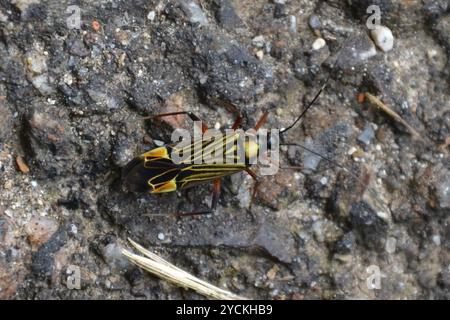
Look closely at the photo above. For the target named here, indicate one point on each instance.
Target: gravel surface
(72, 98)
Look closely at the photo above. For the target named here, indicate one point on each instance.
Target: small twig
(379, 104)
(167, 271)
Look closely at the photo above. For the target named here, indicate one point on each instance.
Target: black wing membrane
(137, 174)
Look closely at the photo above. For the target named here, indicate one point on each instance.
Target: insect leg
(216, 194)
(261, 120)
(230, 108)
(237, 122)
(255, 186)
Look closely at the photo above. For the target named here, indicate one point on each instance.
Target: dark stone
(77, 48)
(3, 228)
(358, 49)
(72, 202)
(301, 70)
(371, 228)
(278, 50)
(346, 244)
(43, 259)
(314, 22)
(49, 140)
(6, 123)
(279, 11)
(226, 15)
(36, 12)
(442, 29)
(436, 8)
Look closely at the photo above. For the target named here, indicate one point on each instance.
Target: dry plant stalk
(169, 272)
(379, 104)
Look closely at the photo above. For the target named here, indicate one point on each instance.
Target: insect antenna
(372, 192)
(311, 103)
(307, 107)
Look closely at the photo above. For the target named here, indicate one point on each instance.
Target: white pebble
(351, 151)
(161, 236)
(318, 44)
(151, 15)
(195, 13)
(391, 243)
(383, 38)
(293, 24)
(73, 229)
(34, 184)
(383, 215)
(436, 239)
(260, 54)
(258, 41)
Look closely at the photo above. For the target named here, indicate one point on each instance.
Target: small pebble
(40, 229)
(8, 184)
(195, 12)
(22, 165)
(34, 184)
(258, 41)
(351, 151)
(73, 229)
(36, 62)
(279, 10)
(443, 190)
(383, 215)
(112, 254)
(436, 239)
(3, 17)
(293, 24)
(383, 38)
(367, 135)
(161, 236)
(391, 244)
(318, 44)
(314, 22)
(96, 25)
(259, 54)
(151, 15)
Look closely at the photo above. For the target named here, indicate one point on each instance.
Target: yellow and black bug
(155, 171)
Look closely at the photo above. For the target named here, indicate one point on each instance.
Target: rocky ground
(71, 107)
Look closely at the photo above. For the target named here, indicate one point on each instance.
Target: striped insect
(155, 171)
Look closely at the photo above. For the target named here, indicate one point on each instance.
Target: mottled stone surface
(72, 100)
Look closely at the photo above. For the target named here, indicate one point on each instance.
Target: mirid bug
(155, 171)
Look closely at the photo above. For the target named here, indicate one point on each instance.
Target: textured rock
(40, 230)
(51, 143)
(72, 103)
